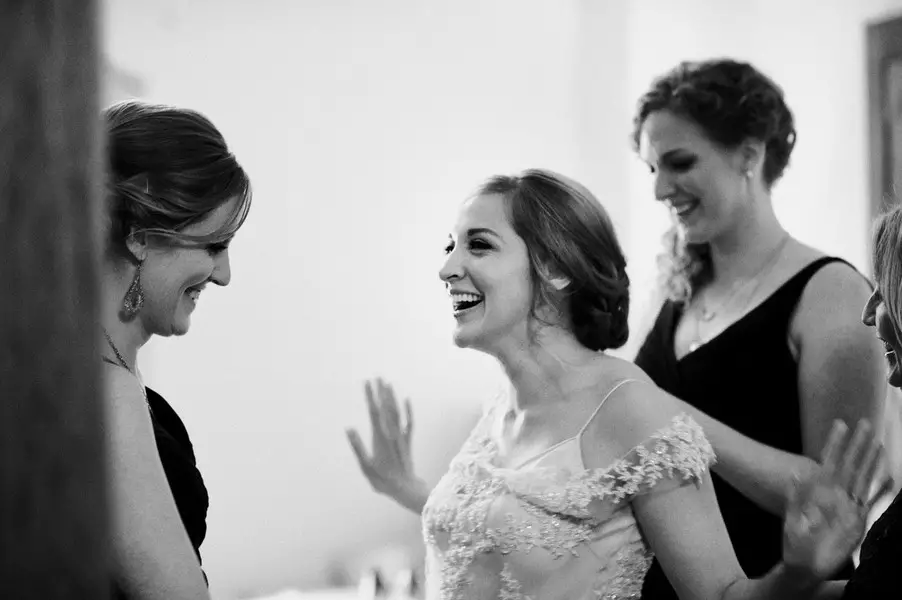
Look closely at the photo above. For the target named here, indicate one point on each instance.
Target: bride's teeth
(457, 297)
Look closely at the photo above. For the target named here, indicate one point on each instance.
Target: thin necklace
(765, 268)
(708, 315)
(124, 364)
(118, 354)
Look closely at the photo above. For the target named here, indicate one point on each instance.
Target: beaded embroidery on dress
(550, 529)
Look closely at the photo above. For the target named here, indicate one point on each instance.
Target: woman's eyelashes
(218, 248)
(475, 245)
(678, 164)
(681, 164)
(478, 245)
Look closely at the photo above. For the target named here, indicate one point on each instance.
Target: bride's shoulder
(618, 369)
(636, 410)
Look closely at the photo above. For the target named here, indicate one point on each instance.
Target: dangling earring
(134, 297)
(748, 173)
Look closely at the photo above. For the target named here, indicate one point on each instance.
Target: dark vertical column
(53, 512)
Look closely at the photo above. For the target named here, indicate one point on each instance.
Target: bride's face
(487, 274)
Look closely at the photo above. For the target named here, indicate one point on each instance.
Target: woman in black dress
(176, 197)
(758, 332)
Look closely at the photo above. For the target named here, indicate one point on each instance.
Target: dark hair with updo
(568, 233)
(732, 102)
(168, 169)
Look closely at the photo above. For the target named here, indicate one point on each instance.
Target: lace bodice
(550, 529)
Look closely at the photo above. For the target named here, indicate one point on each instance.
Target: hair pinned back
(168, 169)
(569, 234)
(731, 102)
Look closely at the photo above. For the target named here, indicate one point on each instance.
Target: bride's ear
(559, 283)
(553, 278)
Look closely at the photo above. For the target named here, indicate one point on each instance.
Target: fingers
(832, 514)
(885, 488)
(878, 473)
(822, 520)
(375, 412)
(408, 419)
(794, 518)
(852, 460)
(867, 473)
(383, 410)
(794, 497)
(391, 417)
(833, 448)
(359, 450)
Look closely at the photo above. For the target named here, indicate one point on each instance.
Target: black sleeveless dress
(185, 480)
(746, 378)
(878, 576)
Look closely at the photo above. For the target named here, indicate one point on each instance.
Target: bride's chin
(461, 338)
(895, 377)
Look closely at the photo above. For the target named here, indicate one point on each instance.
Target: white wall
(363, 124)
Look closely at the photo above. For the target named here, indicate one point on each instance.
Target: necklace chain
(706, 315)
(117, 353)
(125, 365)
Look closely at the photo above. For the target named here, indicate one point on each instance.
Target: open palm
(389, 468)
(827, 512)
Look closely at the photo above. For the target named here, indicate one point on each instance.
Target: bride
(568, 487)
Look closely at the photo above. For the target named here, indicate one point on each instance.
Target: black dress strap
(794, 287)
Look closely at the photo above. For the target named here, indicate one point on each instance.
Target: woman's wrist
(797, 579)
(413, 494)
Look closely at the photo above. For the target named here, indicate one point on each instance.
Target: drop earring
(134, 297)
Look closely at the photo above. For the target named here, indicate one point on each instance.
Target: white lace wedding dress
(550, 529)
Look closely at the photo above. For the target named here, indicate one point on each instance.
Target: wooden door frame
(884, 45)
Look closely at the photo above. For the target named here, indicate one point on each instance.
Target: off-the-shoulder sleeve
(675, 455)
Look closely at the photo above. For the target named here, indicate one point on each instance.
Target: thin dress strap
(598, 408)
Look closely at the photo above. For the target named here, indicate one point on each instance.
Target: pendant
(707, 316)
(695, 346)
